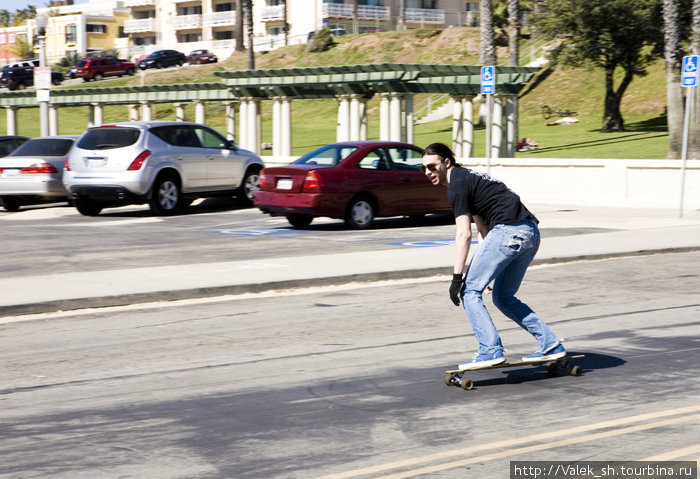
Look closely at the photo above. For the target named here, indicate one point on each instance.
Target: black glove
(455, 288)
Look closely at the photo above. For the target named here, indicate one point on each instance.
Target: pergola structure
(350, 85)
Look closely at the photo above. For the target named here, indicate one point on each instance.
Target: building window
(428, 4)
(196, 10)
(223, 35)
(189, 37)
(12, 38)
(96, 28)
(71, 34)
(225, 7)
(3, 39)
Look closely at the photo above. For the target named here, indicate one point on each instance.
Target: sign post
(488, 88)
(689, 79)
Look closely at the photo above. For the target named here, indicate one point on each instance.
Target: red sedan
(356, 181)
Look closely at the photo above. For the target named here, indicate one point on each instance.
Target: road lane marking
(548, 436)
(677, 454)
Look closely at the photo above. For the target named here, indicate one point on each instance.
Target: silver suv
(166, 164)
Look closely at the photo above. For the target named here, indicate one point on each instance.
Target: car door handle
(179, 158)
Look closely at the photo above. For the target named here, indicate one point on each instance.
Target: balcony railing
(364, 12)
(180, 22)
(271, 14)
(138, 3)
(217, 19)
(425, 15)
(337, 10)
(371, 12)
(138, 26)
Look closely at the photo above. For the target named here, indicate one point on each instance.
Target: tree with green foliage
(622, 37)
(673, 53)
(5, 18)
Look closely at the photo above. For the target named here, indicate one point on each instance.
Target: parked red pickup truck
(98, 68)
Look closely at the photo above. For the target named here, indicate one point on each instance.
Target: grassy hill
(314, 120)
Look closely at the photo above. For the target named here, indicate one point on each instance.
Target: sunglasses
(430, 166)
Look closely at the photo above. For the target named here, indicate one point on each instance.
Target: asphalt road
(49, 239)
(347, 382)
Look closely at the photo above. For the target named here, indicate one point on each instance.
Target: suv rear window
(44, 147)
(83, 63)
(108, 138)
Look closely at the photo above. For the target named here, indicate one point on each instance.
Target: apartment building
(82, 28)
(9, 38)
(184, 25)
(359, 16)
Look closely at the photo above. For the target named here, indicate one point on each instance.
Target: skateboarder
(510, 240)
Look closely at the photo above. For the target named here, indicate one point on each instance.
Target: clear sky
(14, 5)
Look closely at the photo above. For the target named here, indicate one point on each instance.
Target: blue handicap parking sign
(689, 74)
(488, 80)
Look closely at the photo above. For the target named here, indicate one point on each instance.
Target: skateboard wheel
(467, 384)
(552, 369)
(449, 380)
(576, 371)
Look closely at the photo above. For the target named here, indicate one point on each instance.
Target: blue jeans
(503, 257)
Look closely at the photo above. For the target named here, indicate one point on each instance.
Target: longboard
(455, 377)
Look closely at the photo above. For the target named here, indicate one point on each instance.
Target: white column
(11, 112)
(146, 111)
(467, 127)
(457, 125)
(409, 119)
(511, 125)
(354, 117)
(395, 113)
(384, 117)
(98, 116)
(91, 115)
(343, 127)
(497, 126)
(179, 112)
(133, 113)
(230, 120)
(276, 126)
(53, 120)
(286, 134)
(253, 128)
(363, 120)
(243, 124)
(199, 112)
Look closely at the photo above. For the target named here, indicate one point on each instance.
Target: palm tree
(694, 127)
(488, 44)
(514, 31)
(674, 94)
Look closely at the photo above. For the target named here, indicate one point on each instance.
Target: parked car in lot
(201, 56)
(32, 173)
(99, 68)
(9, 143)
(163, 58)
(19, 78)
(356, 181)
(163, 163)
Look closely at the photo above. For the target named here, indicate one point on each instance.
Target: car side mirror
(232, 145)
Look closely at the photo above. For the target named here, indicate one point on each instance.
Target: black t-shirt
(475, 193)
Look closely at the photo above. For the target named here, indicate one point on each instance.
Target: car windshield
(198, 52)
(327, 155)
(102, 138)
(44, 147)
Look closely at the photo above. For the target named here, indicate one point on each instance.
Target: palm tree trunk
(694, 127)
(514, 31)
(674, 93)
(488, 46)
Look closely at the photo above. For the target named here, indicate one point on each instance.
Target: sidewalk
(624, 232)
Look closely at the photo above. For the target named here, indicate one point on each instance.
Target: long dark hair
(442, 150)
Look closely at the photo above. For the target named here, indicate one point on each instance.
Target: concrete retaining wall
(619, 183)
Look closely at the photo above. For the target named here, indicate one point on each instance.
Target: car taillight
(39, 168)
(66, 165)
(138, 162)
(262, 181)
(312, 183)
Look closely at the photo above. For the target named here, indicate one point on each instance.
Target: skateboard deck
(456, 377)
